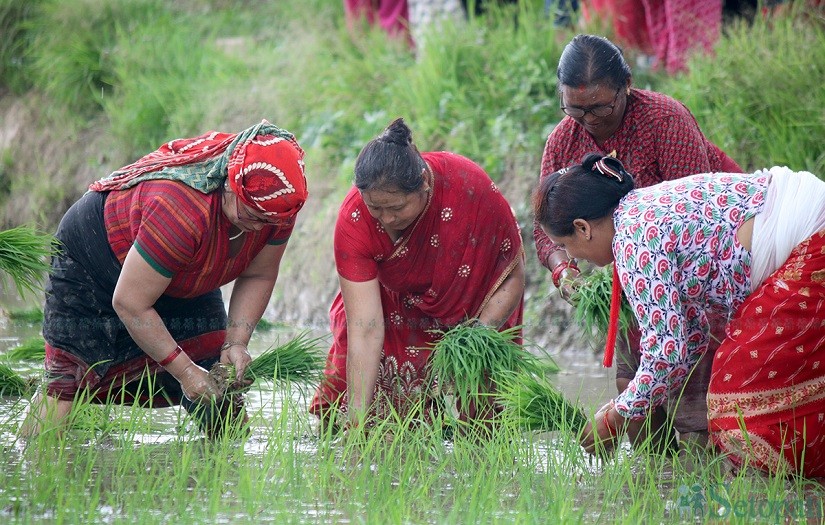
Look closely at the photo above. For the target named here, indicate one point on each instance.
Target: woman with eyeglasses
(423, 242)
(658, 139)
(752, 245)
(134, 311)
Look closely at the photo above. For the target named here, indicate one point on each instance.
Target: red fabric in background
(667, 29)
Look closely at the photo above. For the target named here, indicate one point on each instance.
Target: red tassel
(613, 327)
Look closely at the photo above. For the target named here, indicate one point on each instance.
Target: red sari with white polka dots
(440, 272)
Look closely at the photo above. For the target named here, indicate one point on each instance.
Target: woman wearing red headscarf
(423, 242)
(133, 297)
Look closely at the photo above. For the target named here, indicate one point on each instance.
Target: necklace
(233, 237)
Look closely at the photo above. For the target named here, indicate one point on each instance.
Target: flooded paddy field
(131, 465)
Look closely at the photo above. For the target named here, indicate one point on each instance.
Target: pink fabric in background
(669, 30)
(391, 15)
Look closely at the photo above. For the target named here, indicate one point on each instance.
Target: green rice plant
(297, 360)
(471, 360)
(24, 254)
(32, 349)
(12, 383)
(592, 300)
(30, 315)
(531, 402)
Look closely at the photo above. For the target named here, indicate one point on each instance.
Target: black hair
(590, 190)
(592, 60)
(390, 160)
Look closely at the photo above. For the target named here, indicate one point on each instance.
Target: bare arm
(365, 340)
(138, 288)
(250, 296)
(506, 299)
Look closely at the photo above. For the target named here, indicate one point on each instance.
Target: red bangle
(562, 266)
(606, 422)
(171, 357)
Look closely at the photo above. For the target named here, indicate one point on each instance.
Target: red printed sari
(766, 399)
(442, 271)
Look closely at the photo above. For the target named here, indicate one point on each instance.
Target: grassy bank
(91, 84)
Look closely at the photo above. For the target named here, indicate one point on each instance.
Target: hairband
(610, 167)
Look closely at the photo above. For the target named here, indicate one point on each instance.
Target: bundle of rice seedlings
(472, 359)
(531, 402)
(24, 256)
(592, 300)
(32, 349)
(32, 315)
(299, 360)
(12, 383)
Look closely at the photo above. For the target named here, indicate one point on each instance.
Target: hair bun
(397, 133)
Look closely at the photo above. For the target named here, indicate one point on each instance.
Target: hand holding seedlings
(601, 435)
(237, 355)
(198, 385)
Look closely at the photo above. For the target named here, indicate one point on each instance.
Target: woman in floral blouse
(752, 245)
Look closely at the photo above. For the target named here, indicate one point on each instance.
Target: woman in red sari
(423, 242)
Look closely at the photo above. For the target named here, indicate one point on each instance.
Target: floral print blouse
(677, 255)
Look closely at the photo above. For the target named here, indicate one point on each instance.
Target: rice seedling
(297, 360)
(32, 349)
(470, 360)
(31, 315)
(12, 383)
(24, 254)
(592, 300)
(531, 402)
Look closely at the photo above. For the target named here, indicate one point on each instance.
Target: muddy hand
(198, 386)
(569, 282)
(601, 435)
(237, 355)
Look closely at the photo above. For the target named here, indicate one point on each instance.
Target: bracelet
(171, 357)
(606, 421)
(229, 344)
(561, 267)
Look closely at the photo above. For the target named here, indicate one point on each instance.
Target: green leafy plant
(531, 402)
(471, 360)
(24, 254)
(12, 383)
(31, 349)
(592, 300)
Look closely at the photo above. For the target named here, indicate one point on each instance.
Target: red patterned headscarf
(267, 174)
(263, 165)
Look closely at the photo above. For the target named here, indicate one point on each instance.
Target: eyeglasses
(597, 111)
(246, 216)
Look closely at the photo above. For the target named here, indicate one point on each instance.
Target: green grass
(24, 257)
(128, 464)
(592, 300)
(32, 349)
(298, 360)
